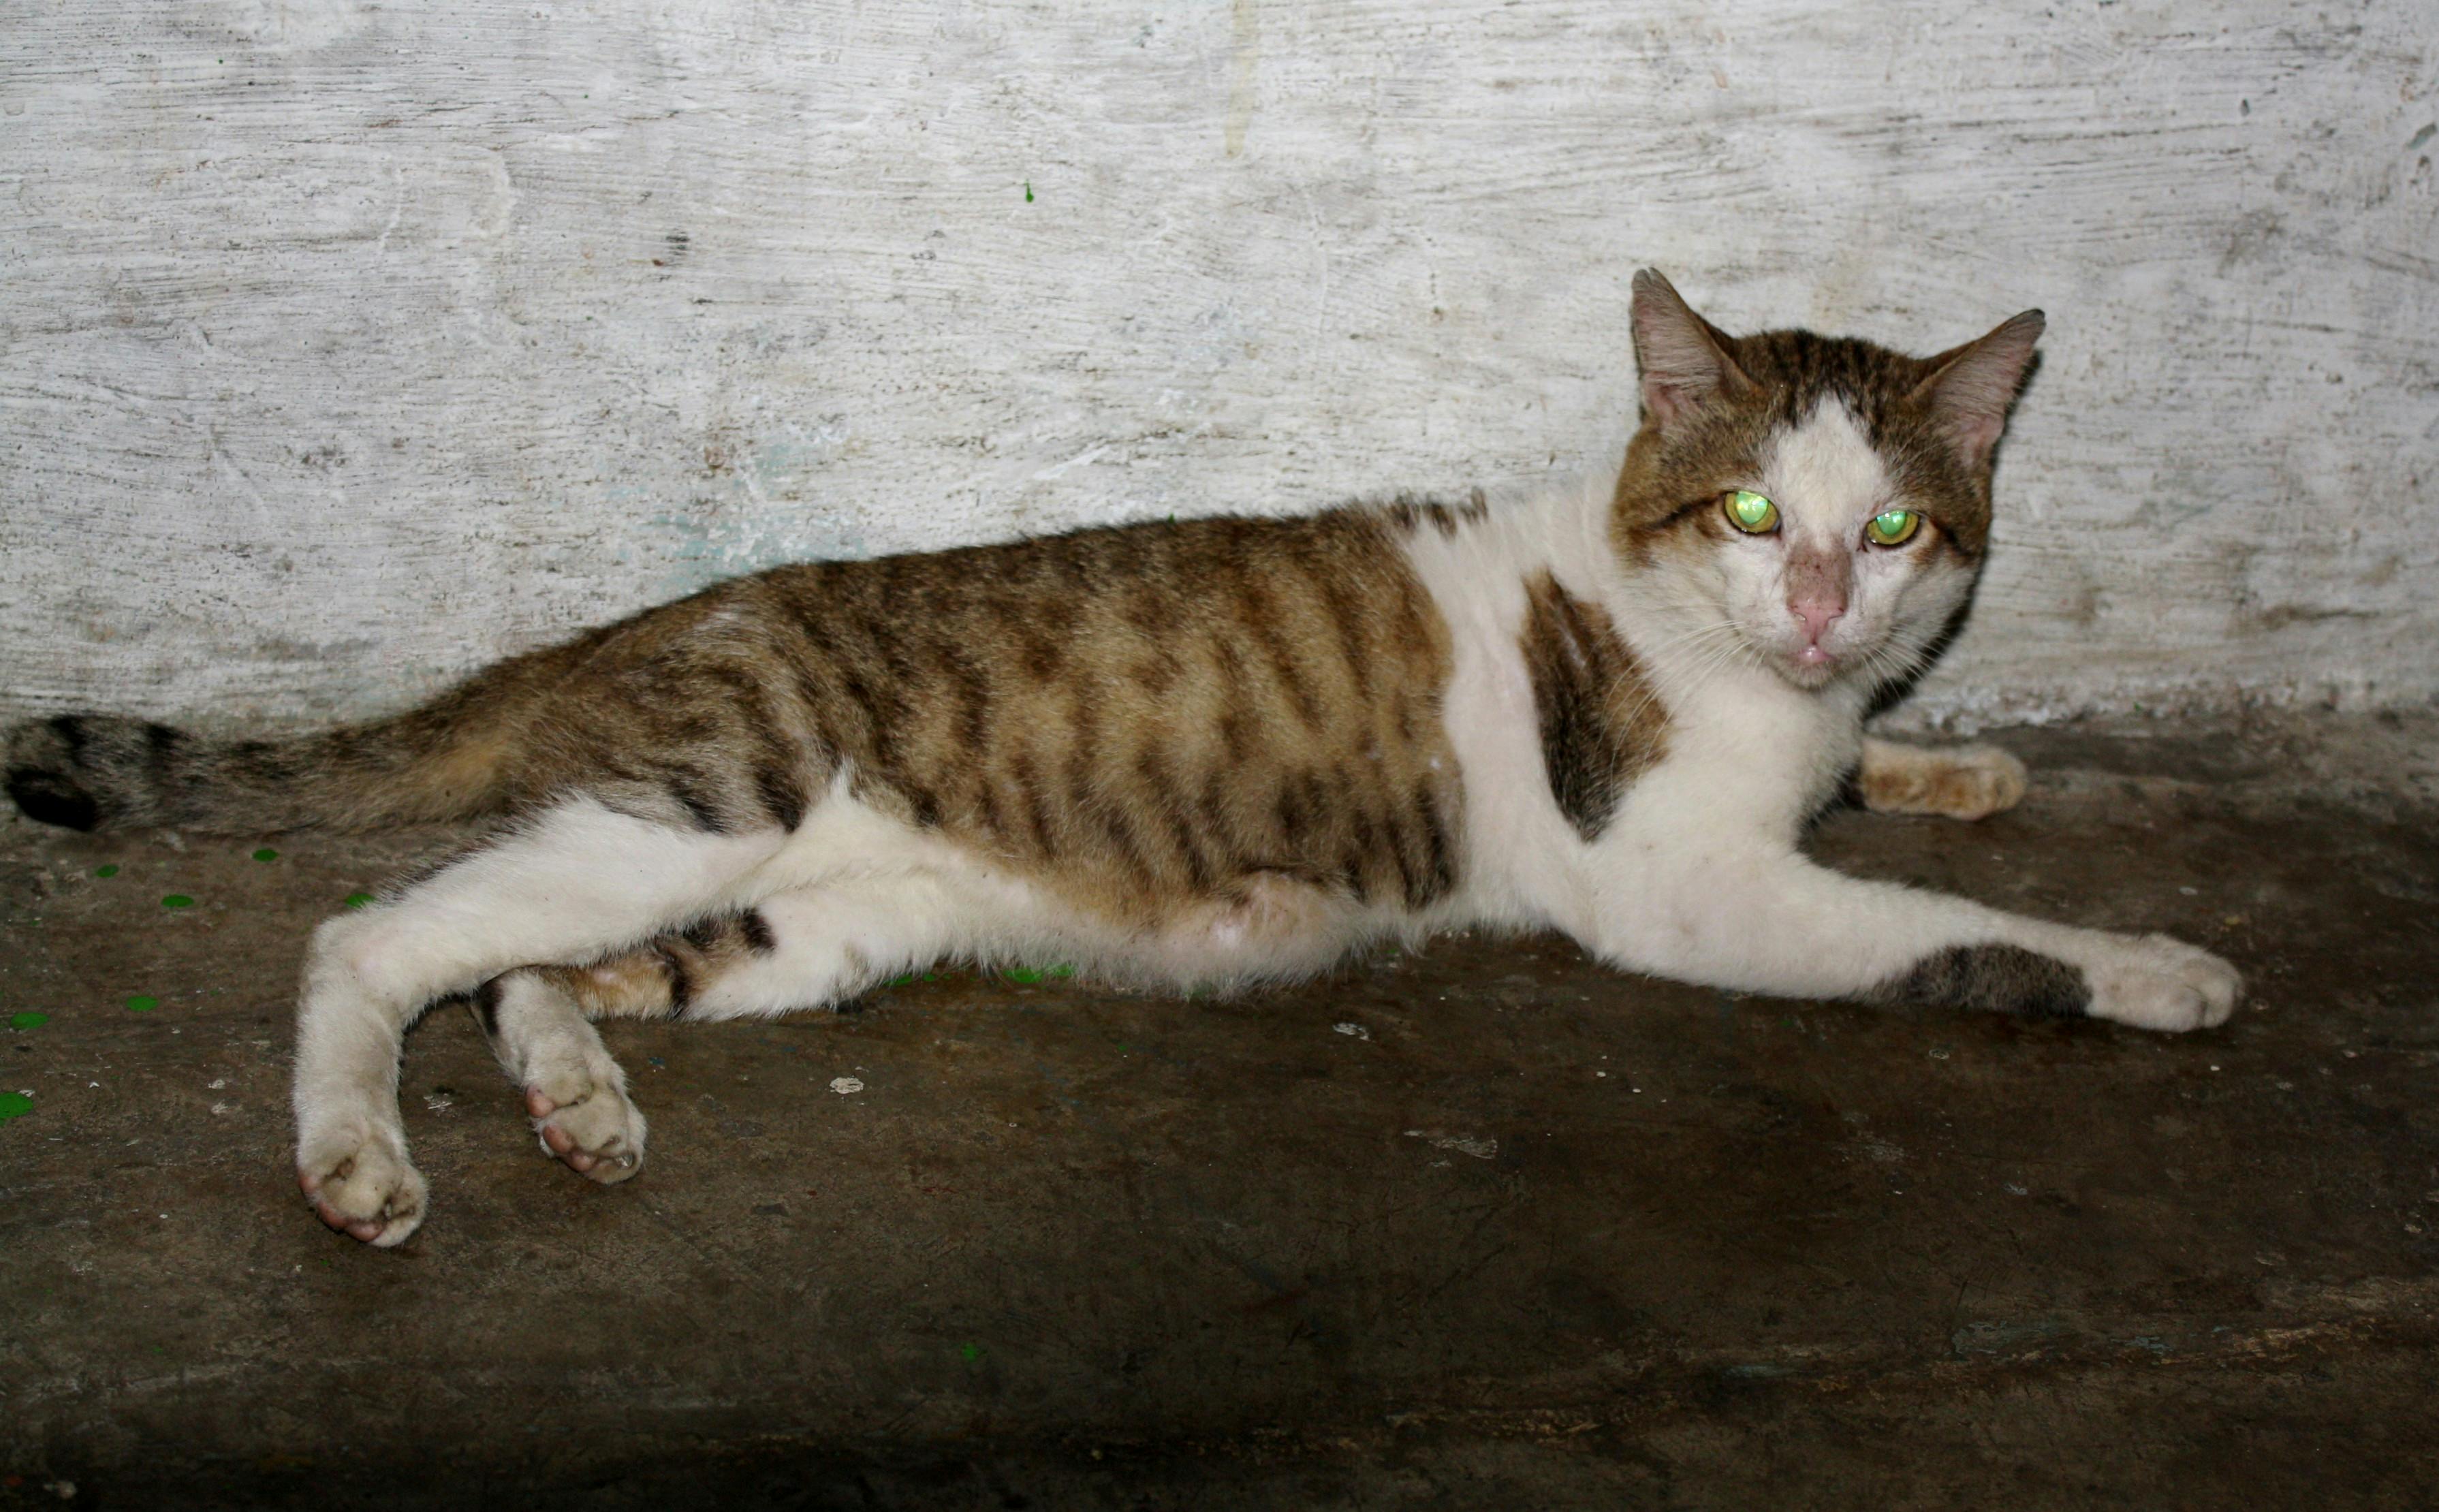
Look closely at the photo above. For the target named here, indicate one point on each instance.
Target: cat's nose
(1816, 582)
(1816, 614)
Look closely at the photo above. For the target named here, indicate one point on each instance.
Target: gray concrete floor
(1538, 1236)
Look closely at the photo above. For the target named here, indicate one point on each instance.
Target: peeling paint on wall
(343, 347)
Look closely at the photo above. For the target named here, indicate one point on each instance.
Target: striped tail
(107, 772)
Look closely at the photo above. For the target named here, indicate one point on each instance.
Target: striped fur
(1139, 716)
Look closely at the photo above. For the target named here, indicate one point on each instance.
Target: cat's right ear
(1683, 359)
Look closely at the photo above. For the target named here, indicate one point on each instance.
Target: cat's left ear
(1971, 387)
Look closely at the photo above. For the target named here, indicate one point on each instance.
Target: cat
(1209, 752)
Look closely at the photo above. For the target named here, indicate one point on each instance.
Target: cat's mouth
(1811, 665)
(1803, 662)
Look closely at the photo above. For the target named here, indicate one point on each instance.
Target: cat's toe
(592, 1128)
(361, 1185)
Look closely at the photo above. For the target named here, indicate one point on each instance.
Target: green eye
(1893, 528)
(1749, 512)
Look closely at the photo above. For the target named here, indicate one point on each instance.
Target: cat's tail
(108, 771)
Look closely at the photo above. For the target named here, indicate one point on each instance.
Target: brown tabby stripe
(662, 976)
(678, 974)
(1409, 512)
(1601, 727)
(486, 1006)
(1999, 978)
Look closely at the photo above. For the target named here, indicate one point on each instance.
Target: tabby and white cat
(1201, 753)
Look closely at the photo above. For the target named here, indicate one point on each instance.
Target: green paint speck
(358, 900)
(969, 1353)
(29, 1021)
(903, 981)
(140, 1003)
(111, 870)
(1024, 973)
(266, 853)
(177, 901)
(1062, 970)
(1029, 192)
(14, 1105)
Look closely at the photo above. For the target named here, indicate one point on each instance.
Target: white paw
(2153, 982)
(586, 1120)
(360, 1183)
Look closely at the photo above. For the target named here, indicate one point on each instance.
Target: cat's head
(1819, 505)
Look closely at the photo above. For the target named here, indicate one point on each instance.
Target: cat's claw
(591, 1130)
(363, 1186)
(2153, 982)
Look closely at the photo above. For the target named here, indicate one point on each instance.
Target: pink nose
(1816, 580)
(1816, 615)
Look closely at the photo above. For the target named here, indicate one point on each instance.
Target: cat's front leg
(1956, 782)
(1765, 921)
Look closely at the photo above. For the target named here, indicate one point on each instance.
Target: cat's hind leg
(538, 1020)
(1955, 782)
(805, 947)
(575, 1091)
(575, 882)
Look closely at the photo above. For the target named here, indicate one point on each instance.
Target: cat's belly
(1269, 926)
(933, 897)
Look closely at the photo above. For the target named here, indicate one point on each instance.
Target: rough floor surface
(1480, 1227)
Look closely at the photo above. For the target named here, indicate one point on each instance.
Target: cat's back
(1153, 578)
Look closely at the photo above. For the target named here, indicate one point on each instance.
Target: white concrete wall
(344, 347)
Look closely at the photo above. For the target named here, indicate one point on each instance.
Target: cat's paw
(361, 1184)
(1967, 782)
(586, 1121)
(2153, 982)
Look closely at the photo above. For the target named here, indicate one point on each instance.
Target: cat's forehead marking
(1823, 470)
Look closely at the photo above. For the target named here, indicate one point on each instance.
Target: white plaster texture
(344, 347)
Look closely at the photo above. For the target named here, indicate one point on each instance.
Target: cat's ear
(1971, 387)
(1681, 358)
